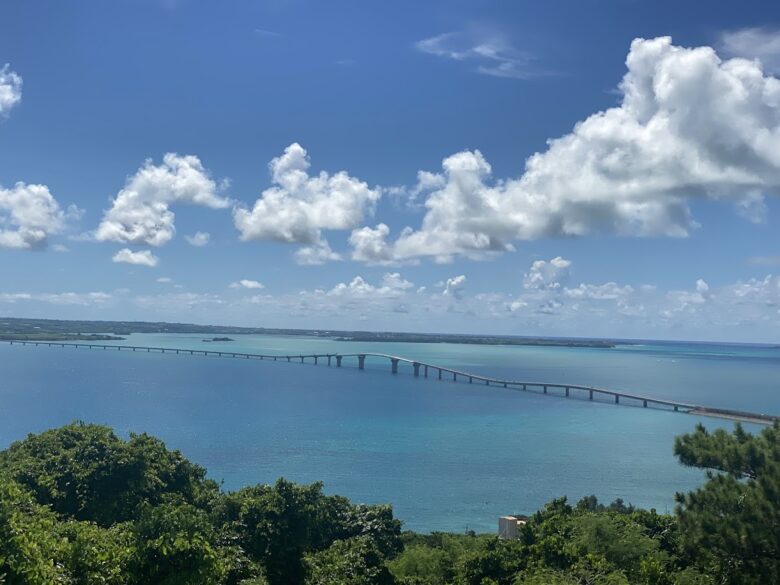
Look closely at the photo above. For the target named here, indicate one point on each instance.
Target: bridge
(427, 370)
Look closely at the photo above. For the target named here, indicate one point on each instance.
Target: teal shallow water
(447, 456)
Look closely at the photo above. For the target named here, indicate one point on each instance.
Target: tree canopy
(82, 506)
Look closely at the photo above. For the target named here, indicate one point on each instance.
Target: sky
(564, 168)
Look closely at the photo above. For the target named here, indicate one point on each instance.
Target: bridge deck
(471, 377)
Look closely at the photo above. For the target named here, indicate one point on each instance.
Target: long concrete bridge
(427, 370)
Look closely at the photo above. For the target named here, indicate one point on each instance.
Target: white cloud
(299, 206)
(164, 280)
(266, 33)
(65, 298)
(394, 280)
(370, 245)
(547, 275)
(140, 258)
(10, 89)
(140, 213)
(489, 51)
(689, 126)
(246, 283)
(765, 260)
(29, 214)
(754, 43)
(198, 239)
(608, 291)
(454, 286)
(316, 254)
(753, 207)
(392, 286)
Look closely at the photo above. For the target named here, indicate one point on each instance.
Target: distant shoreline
(49, 336)
(474, 340)
(61, 330)
(19, 328)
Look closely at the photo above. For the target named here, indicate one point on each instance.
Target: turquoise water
(447, 456)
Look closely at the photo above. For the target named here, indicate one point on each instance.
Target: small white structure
(508, 525)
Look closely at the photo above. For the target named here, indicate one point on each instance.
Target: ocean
(447, 456)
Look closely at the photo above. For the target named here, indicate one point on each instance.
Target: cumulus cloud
(299, 206)
(246, 283)
(198, 239)
(454, 286)
(754, 43)
(370, 245)
(690, 125)
(316, 254)
(392, 286)
(394, 280)
(29, 214)
(549, 275)
(10, 89)
(140, 258)
(141, 214)
(488, 51)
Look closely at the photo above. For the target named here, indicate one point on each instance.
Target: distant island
(15, 328)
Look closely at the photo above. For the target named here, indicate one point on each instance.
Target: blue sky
(657, 218)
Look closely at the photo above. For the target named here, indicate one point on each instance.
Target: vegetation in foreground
(78, 505)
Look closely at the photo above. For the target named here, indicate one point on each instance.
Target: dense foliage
(79, 505)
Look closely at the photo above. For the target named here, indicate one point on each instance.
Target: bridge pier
(617, 398)
(545, 388)
(394, 365)
(487, 382)
(591, 395)
(644, 403)
(426, 371)
(362, 361)
(439, 373)
(416, 366)
(316, 360)
(454, 377)
(471, 379)
(301, 359)
(329, 359)
(338, 361)
(567, 391)
(675, 408)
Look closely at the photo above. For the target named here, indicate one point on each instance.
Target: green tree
(731, 526)
(277, 525)
(175, 545)
(497, 562)
(86, 472)
(357, 561)
(95, 555)
(30, 552)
